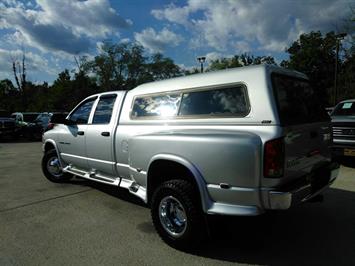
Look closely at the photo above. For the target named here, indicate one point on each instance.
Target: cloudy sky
(52, 32)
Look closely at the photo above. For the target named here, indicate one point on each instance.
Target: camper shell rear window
(297, 101)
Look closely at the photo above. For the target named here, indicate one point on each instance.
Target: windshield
(345, 108)
(297, 102)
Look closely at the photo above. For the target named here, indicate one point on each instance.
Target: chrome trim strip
(89, 159)
(122, 165)
(343, 141)
(242, 189)
(340, 128)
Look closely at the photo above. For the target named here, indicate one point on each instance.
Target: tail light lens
(50, 126)
(274, 158)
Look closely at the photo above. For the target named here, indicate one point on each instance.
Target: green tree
(162, 67)
(118, 66)
(9, 96)
(239, 61)
(314, 55)
(124, 66)
(66, 92)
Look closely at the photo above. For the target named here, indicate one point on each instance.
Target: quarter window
(104, 109)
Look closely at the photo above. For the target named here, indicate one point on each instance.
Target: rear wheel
(52, 168)
(177, 215)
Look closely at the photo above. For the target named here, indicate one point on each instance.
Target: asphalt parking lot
(42, 223)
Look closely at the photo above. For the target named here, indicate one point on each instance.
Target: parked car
(7, 125)
(343, 124)
(234, 142)
(35, 129)
(56, 118)
(43, 122)
(329, 110)
(23, 118)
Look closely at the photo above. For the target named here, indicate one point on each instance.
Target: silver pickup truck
(233, 142)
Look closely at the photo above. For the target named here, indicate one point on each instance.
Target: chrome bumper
(281, 200)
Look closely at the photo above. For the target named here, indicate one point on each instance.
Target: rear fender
(206, 202)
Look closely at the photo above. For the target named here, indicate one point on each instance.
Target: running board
(93, 177)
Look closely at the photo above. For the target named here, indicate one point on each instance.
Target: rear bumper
(281, 200)
(255, 201)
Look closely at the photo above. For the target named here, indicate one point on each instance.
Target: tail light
(49, 127)
(274, 158)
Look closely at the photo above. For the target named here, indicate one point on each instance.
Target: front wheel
(52, 168)
(177, 215)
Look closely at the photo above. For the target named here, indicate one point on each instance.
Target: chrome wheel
(54, 167)
(172, 216)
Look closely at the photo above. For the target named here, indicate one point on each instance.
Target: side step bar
(92, 176)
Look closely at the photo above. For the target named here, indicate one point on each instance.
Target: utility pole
(338, 37)
(202, 60)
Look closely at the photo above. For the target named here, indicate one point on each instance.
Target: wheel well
(48, 146)
(161, 171)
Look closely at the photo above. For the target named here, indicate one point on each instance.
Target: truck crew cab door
(100, 137)
(72, 139)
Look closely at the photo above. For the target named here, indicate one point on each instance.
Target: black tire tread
(195, 232)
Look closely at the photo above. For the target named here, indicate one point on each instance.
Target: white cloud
(272, 25)
(62, 25)
(173, 14)
(242, 47)
(34, 62)
(94, 18)
(157, 41)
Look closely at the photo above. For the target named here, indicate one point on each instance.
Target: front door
(73, 138)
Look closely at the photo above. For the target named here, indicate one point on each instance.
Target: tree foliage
(124, 66)
(116, 67)
(239, 61)
(315, 55)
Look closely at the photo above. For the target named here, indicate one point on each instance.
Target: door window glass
(82, 113)
(104, 109)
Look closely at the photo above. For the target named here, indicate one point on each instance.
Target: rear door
(305, 123)
(100, 135)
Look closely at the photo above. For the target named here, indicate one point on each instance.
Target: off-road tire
(195, 230)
